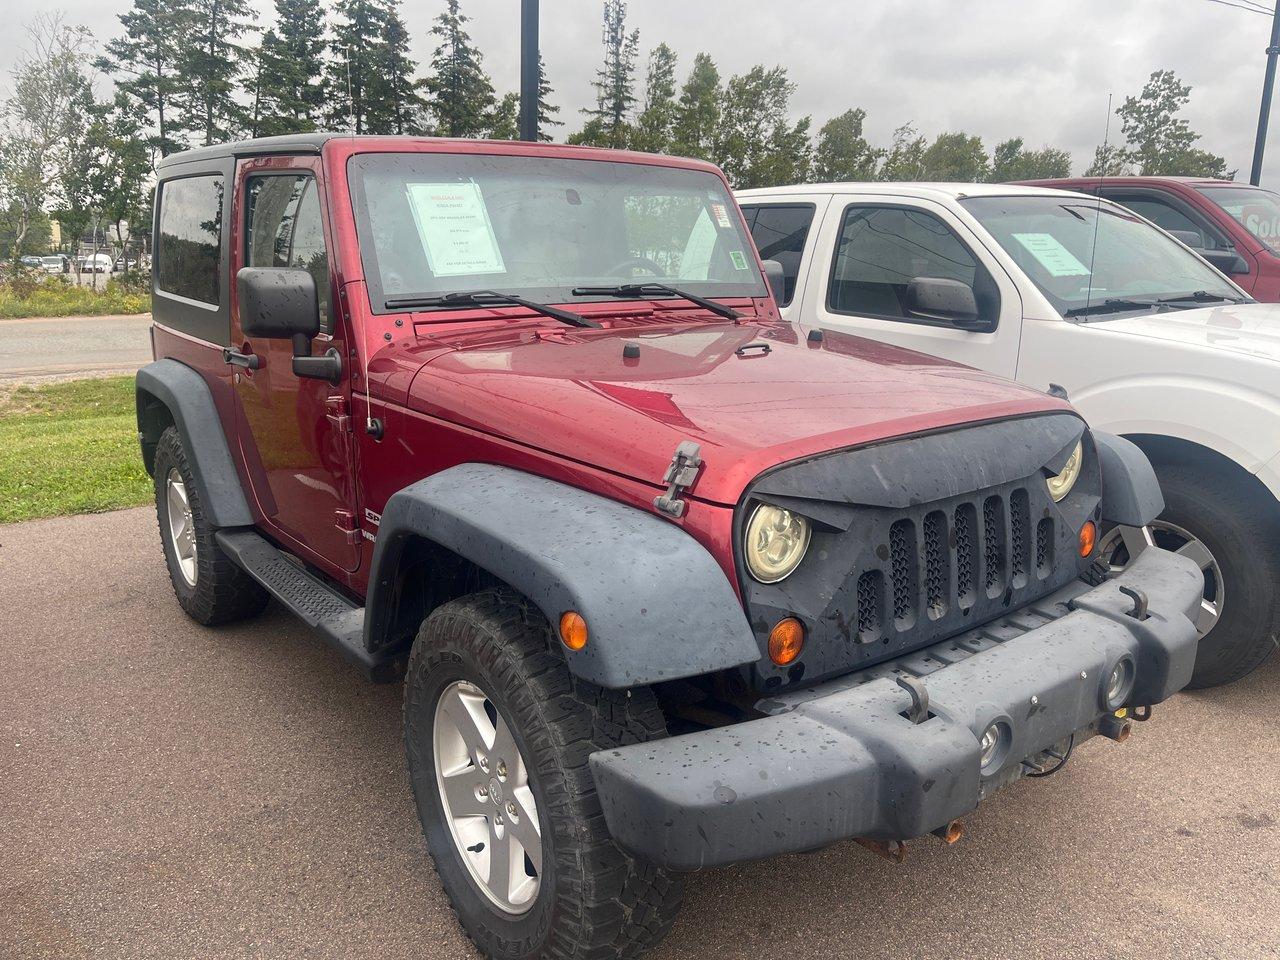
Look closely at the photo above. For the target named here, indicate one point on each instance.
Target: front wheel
(498, 733)
(1221, 524)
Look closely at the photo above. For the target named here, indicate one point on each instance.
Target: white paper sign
(453, 223)
(1053, 256)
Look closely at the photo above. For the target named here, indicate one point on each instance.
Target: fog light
(1119, 684)
(992, 745)
(786, 640)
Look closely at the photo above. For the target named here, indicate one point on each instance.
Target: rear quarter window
(188, 251)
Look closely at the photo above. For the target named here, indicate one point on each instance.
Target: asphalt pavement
(171, 791)
(55, 348)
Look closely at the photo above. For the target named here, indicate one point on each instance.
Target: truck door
(869, 249)
(786, 231)
(294, 431)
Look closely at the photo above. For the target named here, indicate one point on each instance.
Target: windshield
(1257, 210)
(435, 223)
(1053, 240)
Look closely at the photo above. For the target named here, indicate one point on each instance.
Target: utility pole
(1268, 82)
(531, 75)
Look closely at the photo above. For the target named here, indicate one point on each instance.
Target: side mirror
(1192, 238)
(1228, 261)
(937, 298)
(777, 277)
(281, 303)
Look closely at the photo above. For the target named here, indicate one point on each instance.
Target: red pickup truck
(1235, 226)
(670, 584)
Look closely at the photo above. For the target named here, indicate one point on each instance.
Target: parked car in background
(668, 588)
(95, 263)
(32, 262)
(1234, 226)
(1057, 288)
(58, 263)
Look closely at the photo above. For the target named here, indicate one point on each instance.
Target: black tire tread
(223, 592)
(624, 905)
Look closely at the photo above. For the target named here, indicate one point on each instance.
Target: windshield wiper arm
(1200, 296)
(640, 289)
(480, 298)
(1112, 305)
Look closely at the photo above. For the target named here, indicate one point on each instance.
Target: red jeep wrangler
(670, 585)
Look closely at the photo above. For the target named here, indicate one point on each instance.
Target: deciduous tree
(842, 152)
(755, 142)
(955, 157)
(653, 127)
(1009, 161)
(697, 113)
(905, 157)
(1159, 142)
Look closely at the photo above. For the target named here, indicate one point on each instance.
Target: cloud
(996, 68)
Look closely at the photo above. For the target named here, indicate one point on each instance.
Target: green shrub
(25, 294)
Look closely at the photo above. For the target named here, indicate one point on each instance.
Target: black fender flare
(1130, 491)
(190, 403)
(657, 605)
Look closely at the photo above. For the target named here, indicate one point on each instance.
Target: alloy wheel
(182, 528)
(1122, 545)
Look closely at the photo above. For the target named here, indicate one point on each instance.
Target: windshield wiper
(480, 298)
(1200, 296)
(1112, 305)
(641, 289)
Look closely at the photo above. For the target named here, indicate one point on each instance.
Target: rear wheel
(1222, 524)
(208, 585)
(498, 733)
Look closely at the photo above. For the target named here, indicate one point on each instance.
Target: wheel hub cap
(1122, 545)
(487, 801)
(182, 529)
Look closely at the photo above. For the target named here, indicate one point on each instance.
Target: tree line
(196, 72)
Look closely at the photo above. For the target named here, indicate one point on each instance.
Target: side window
(1168, 217)
(882, 249)
(283, 229)
(188, 253)
(779, 232)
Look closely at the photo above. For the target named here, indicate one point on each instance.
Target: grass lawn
(65, 300)
(70, 448)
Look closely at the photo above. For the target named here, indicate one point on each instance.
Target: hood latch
(679, 477)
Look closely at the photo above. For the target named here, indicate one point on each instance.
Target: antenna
(1097, 213)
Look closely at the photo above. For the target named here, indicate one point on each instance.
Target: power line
(1244, 6)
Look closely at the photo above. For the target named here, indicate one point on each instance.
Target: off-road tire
(594, 900)
(1241, 530)
(223, 592)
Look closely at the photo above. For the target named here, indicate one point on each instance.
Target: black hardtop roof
(290, 143)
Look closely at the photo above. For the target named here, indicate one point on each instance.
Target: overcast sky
(997, 68)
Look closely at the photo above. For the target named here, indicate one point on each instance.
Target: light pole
(530, 75)
(1260, 143)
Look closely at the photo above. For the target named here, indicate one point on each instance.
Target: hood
(1252, 329)
(752, 395)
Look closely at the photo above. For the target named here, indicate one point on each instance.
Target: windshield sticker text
(453, 224)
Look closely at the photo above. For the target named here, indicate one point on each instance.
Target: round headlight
(1060, 485)
(776, 540)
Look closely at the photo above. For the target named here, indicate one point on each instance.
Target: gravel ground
(171, 791)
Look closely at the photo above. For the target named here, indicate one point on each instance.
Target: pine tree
(396, 100)
(459, 92)
(697, 113)
(654, 125)
(210, 64)
(143, 64)
(546, 109)
(614, 82)
(288, 90)
(350, 78)
(504, 121)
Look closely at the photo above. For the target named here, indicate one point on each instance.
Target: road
(42, 349)
(170, 791)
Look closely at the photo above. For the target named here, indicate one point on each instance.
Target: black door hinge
(679, 477)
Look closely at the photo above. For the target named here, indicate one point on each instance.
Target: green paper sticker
(1053, 256)
(739, 259)
(454, 227)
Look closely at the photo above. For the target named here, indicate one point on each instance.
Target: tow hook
(893, 850)
(1114, 728)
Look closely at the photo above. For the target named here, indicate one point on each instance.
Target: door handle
(250, 361)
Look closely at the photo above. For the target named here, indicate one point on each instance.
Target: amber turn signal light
(573, 630)
(786, 640)
(1088, 538)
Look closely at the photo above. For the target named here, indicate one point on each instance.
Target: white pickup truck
(1049, 287)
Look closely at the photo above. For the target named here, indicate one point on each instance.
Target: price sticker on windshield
(1052, 255)
(453, 224)
(722, 216)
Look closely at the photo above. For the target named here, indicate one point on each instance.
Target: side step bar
(312, 600)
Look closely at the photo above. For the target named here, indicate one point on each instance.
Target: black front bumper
(842, 759)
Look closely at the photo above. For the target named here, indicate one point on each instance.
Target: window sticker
(722, 216)
(453, 224)
(1053, 256)
(739, 259)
